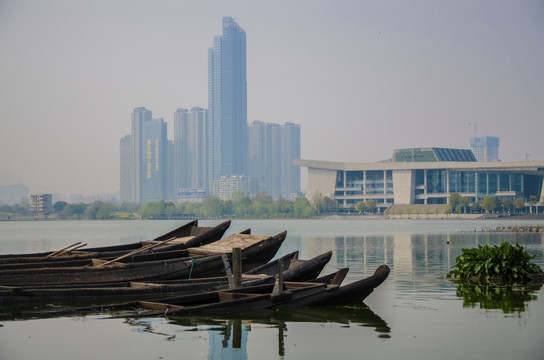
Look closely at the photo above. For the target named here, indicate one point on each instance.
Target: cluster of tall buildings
(214, 151)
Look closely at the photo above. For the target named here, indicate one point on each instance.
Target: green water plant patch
(499, 263)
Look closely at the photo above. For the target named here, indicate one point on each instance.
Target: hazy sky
(361, 77)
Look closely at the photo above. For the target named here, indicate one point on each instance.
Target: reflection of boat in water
(355, 313)
(230, 331)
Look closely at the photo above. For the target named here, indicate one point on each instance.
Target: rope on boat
(193, 262)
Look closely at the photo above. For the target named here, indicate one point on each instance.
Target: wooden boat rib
(186, 236)
(256, 252)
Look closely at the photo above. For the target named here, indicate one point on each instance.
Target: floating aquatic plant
(502, 263)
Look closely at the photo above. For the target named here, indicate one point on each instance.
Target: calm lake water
(415, 314)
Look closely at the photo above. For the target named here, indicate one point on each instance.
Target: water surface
(415, 314)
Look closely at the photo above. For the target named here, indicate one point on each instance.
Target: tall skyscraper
(265, 156)
(272, 149)
(127, 170)
(153, 161)
(144, 159)
(190, 147)
(290, 149)
(227, 103)
(485, 148)
(181, 156)
(196, 128)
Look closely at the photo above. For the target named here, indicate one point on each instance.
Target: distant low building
(225, 186)
(41, 204)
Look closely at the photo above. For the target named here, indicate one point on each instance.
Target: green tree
(241, 204)
(507, 204)
(489, 203)
(453, 202)
(73, 211)
(519, 204)
(105, 211)
(302, 208)
(532, 201)
(476, 206)
(152, 209)
(59, 206)
(463, 203)
(263, 198)
(212, 207)
(260, 209)
(360, 207)
(371, 205)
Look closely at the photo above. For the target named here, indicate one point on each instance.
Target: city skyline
(359, 77)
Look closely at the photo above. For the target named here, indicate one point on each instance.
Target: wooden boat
(295, 270)
(256, 250)
(164, 251)
(292, 295)
(186, 236)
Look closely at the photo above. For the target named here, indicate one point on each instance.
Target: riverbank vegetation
(262, 206)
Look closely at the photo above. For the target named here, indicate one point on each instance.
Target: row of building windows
(435, 181)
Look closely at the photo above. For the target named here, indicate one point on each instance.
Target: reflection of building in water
(412, 257)
(364, 250)
(402, 257)
(230, 342)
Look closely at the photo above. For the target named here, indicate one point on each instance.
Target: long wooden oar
(69, 249)
(63, 249)
(142, 249)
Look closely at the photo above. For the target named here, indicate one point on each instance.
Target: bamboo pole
(142, 249)
(67, 250)
(63, 249)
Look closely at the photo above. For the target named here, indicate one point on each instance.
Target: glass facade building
(227, 133)
(429, 177)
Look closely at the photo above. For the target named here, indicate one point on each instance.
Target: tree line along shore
(262, 206)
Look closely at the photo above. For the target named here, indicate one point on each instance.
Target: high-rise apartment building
(272, 148)
(153, 161)
(190, 147)
(127, 170)
(485, 148)
(181, 155)
(227, 104)
(290, 149)
(144, 159)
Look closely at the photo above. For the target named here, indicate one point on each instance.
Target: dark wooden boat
(186, 236)
(293, 295)
(163, 252)
(207, 261)
(295, 270)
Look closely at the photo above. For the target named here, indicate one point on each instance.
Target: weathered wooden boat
(162, 252)
(295, 270)
(207, 261)
(186, 236)
(267, 296)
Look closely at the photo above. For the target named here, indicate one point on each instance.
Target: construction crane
(475, 125)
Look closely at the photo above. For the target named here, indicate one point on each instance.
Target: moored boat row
(182, 271)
